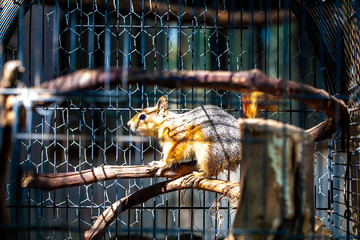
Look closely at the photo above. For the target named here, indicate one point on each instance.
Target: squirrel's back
(219, 131)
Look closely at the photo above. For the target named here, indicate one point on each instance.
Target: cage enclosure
(74, 72)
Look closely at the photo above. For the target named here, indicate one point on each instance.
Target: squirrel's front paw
(159, 171)
(156, 165)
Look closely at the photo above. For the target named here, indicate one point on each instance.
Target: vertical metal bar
(129, 163)
(142, 102)
(104, 155)
(35, 50)
(251, 38)
(192, 105)
(107, 46)
(155, 36)
(55, 162)
(215, 65)
(179, 58)
(284, 176)
(264, 177)
(91, 37)
(166, 218)
(30, 49)
(167, 34)
(92, 154)
(347, 182)
(56, 38)
(205, 55)
(107, 65)
(240, 68)
(118, 115)
(80, 112)
(230, 7)
(330, 183)
(128, 64)
(67, 117)
(303, 51)
(278, 42)
(80, 54)
(218, 63)
(42, 167)
(21, 37)
(42, 78)
(71, 60)
(142, 35)
(72, 41)
(91, 46)
(290, 51)
(29, 119)
(204, 101)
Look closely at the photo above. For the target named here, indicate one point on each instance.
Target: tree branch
(226, 188)
(52, 181)
(251, 80)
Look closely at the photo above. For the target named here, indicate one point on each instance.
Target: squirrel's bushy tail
(255, 101)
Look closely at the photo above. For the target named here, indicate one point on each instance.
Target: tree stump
(277, 197)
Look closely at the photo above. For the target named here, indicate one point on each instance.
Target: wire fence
(86, 130)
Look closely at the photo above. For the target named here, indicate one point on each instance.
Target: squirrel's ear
(162, 104)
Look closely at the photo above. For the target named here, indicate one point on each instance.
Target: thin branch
(52, 181)
(252, 80)
(227, 188)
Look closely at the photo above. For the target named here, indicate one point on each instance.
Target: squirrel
(207, 133)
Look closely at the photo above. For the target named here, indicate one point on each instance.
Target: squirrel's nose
(129, 123)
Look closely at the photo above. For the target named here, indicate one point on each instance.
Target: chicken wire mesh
(88, 129)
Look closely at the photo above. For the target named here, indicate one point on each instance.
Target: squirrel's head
(148, 121)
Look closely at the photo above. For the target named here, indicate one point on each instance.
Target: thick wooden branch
(227, 188)
(251, 80)
(52, 181)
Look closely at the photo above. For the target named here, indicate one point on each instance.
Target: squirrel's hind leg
(194, 178)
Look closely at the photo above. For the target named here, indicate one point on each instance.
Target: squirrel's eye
(142, 117)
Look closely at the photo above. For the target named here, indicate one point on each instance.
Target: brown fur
(207, 133)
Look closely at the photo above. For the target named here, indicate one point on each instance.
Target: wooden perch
(277, 196)
(226, 188)
(52, 181)
(251, 80)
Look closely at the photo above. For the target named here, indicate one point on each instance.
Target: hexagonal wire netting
(86, 130)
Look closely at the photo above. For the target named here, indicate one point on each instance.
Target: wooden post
(277, 199)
